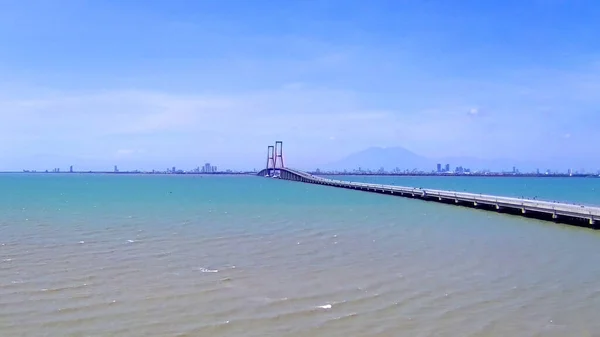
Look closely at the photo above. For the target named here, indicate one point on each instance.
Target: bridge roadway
(580, 215)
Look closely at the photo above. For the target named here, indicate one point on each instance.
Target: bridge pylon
(270, 159)
(279, 154)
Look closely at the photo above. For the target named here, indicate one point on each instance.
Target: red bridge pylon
(270, 159)
(279, 154)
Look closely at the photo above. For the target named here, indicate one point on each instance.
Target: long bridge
(580, 215)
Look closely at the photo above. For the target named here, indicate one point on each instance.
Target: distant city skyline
(180, 82)
(372, 160)
(440, 169)
(207, 168)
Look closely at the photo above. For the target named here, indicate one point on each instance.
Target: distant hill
(376, 157)
(391, 157)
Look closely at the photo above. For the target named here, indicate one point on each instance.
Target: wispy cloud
(473, 111)
(189, 83)
(307, 117)
(244, 122)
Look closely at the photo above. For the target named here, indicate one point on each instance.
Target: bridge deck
(555, 211)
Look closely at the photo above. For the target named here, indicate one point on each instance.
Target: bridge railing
(464, 196)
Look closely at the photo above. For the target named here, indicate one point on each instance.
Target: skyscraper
(447, 167)
(439, 168)
(71, 169)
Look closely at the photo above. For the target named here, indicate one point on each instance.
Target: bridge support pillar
(497, 207)
(523, 211)
(554, 216)
(475, 203)
(592, 222)
(270, 160)
(456, 201)
(440, 198)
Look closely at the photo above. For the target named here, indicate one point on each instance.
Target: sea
(191, 255)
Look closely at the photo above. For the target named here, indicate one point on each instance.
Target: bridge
(580, 215)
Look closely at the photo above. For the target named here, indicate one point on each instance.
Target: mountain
(376, 157)
(391, 157)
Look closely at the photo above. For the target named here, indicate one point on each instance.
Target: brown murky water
(338, 263)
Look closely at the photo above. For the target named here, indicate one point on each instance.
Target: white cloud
(293, 111)
(119, 124)
(474, 111)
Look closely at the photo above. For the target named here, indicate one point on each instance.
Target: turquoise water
(106, 255)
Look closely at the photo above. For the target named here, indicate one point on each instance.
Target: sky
(154, 84)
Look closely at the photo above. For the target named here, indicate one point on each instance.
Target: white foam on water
(205, 270)
(326, 306)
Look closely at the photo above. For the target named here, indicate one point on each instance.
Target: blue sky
(153, 84)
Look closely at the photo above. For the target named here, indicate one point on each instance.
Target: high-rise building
(207, 168)
(439, 168)
(173, 170)
(71, 169)
(214, 169)
(116, 169)
(447, 167)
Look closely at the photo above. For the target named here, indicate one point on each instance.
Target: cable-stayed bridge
(580, 215)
